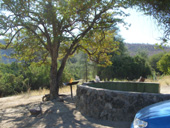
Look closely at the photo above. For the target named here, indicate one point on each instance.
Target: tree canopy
(38, 29)
(164, 63)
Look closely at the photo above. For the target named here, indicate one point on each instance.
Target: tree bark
(53, 79)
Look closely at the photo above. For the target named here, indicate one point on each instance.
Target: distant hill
(148, 48)
(133, 49)
(5, 52)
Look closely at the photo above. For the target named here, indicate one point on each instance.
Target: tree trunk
(53, 80)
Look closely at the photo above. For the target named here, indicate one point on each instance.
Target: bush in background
(126, 67)
(18, 77)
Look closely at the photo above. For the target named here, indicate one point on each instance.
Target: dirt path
(14, 113)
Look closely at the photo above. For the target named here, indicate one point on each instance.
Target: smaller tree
(153, 60)
(142, 67)
(99, 45)
(126, 67)
(164, 64)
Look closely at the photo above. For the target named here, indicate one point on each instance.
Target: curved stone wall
(113, 105)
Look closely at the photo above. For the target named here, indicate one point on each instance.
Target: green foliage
(37, 76)
(164, 63)
(99, 45)
(126, 67)
(18, 77)
(153, 60)
(80, 67)
(11, 84)
(142, 53)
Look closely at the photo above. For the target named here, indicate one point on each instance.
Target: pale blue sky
(143, 29)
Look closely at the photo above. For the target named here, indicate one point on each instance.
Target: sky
(143, 29)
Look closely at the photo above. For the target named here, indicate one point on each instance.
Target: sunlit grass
(66, 89)
(162, 80)
(43, 91)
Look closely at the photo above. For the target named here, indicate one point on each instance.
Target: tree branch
(37, 37)
(13, 37)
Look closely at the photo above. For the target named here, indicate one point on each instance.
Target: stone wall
(113, 105)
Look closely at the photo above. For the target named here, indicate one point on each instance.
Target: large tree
(159, 9)
(58, 28)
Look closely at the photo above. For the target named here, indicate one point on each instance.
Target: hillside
(133, 49)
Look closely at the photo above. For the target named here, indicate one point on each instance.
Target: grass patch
(66, 89)
(162, 80)
(43, 91)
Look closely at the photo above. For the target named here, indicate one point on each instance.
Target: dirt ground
(14, 113)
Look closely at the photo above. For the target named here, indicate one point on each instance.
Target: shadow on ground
(55, 115)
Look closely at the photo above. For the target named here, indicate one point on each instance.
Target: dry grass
(35, 92)
(162, 80)
(65, 89)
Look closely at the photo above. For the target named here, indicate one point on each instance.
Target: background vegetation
(17, 77)
(44, 32)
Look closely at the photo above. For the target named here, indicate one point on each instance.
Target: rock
(108, 106)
